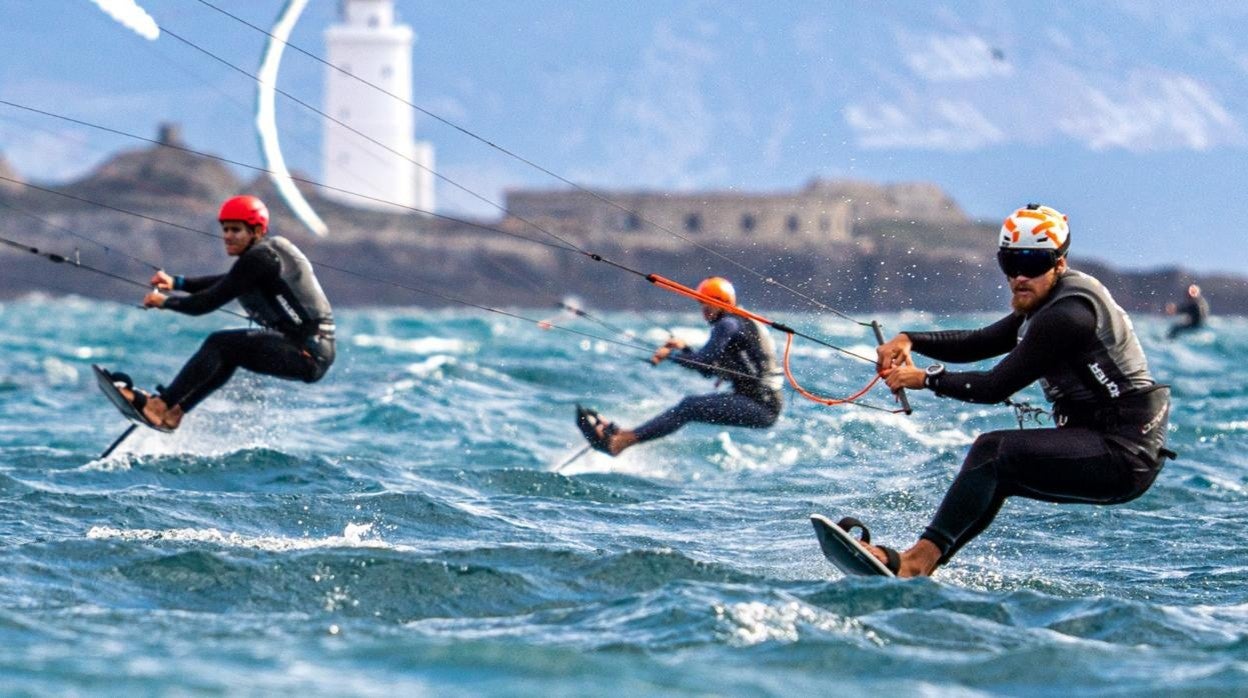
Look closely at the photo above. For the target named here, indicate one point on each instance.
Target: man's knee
(690, 405)
(986, 449)
(316, 373)
(772, 417)
(218, 341)
(989, 442)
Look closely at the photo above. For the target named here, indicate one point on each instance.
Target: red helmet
(718, 288)
(247, 209)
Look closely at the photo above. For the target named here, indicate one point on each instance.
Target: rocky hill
(915, 249)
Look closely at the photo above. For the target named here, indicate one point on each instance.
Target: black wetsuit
(1194, 311)
(1112, 418)
(740, 351)
(275, 284)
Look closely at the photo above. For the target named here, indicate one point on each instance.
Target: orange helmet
(1036, 227)
(247, 209)
(718, 288)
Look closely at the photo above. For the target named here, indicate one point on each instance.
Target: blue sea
(409, 526)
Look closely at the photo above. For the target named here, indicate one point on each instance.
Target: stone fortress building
(369, 44)
(820, 212)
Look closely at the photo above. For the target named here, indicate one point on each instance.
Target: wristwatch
(934, 372)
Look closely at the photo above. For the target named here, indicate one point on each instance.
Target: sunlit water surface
(404, 527)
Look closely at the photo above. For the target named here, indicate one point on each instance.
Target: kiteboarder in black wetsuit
(1193, 312)
(1069, 334)
(275, 284)
(739, 350)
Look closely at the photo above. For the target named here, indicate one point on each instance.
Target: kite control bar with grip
(901, 392)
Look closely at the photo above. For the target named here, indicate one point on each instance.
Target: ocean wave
(407, 510)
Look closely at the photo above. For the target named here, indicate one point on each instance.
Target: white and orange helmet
(1036, 227)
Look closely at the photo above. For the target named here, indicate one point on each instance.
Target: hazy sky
(1131, 117)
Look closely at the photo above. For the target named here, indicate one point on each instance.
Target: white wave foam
(1192, 361)
(753, 457)
(804, 349)
(754, 622)
(58, 372)
(200, 435)
(353, 536)
(912, 429)
(628, 463)
(431, 367)
(420, 345)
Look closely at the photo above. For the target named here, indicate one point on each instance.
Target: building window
(693, 222)
(792, 224)
(631, 221)
(825, 224)
(748, 222)
(374, 21)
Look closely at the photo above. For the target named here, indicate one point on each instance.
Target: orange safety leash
(829, 401)
(679, 288)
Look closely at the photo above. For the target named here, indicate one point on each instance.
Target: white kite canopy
(128, 13)
(266, 119)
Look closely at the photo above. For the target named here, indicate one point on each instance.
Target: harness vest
(753, 352)
(1107, 386)
(1113, 367)
(293, 303)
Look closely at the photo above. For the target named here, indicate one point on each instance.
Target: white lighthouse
(368, 44)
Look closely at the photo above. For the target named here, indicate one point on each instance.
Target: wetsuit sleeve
(704, 359)
(195, 284)
(1056, 332)
(967, 346)
(247, 273)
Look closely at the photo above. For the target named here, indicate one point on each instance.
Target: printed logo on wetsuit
(294, 317)
(1156, 420)
(1099, 374)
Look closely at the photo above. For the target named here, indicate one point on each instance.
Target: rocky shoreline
(383, 258)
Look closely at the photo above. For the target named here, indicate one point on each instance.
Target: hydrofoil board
(844, 551)
(108, 385)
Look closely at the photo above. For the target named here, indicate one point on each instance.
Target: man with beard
(1068, 333)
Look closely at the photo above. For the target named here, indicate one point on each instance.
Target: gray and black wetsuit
(739, 351)
(275, 284)
(1110, 439)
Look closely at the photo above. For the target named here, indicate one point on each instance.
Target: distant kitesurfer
(739, 350)
(1192, 312)
(1068, 333)
(275, 284)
